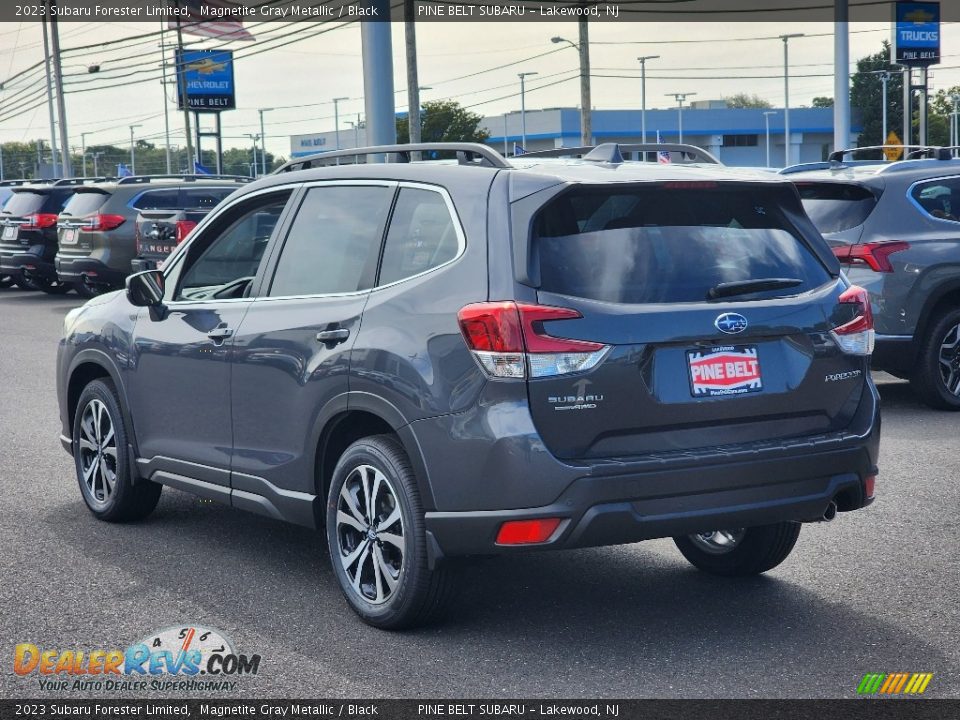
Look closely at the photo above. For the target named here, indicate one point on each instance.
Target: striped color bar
(894, 683)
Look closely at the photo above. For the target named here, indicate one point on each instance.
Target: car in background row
(895, 227)
(28, 232)
(97, 227)
(6, 192)
(159, 231)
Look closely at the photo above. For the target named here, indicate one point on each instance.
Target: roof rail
(699, 154)
(16, 183)
(467, 154)
(145, 179)
(916, 151)
(83, 180)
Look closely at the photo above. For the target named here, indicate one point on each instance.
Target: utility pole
(643, 95)
(163, 84)
(133, 156)
(680, 97)
(336, 118)
(413, 82)
(841, 76)
(263, 140)
(253, 167)
(786, 95)
(378, 93)
(83, 150)
(53, 122)
(523, 109)
(66, 160)
(583, 50)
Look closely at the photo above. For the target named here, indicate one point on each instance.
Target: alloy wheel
(950, 360)
(370, 534)
(718, 542)
(97, 446)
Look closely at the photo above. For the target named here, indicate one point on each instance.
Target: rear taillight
(508, 339)
(101, 222)
(183, 229)
(856, 337)
(874, 255)
(39, 221)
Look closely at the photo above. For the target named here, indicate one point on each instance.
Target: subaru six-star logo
(731, 323)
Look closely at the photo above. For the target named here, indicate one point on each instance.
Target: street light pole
(133, 155)
(65, 161)
(263, 141)
(523, 108)
(253, 166)
(583, 49)
(83, 149)
(336, 117)
(53, 122)
(643, 95)
(766, 119)
(786, 94)
(680, 97)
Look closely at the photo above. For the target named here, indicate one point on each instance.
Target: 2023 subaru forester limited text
(439, 359)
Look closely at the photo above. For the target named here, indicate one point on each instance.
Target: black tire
(419, 594)
(54, 287)
(86, 291)
(930, 378)
(125, 501)
(6, 281)
(760, 549)
(24, 284)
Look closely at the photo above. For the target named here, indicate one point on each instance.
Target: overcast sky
(320, 68)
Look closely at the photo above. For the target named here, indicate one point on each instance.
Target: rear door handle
(220, 333)
(333, 336)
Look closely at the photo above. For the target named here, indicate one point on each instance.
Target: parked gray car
(895, 227)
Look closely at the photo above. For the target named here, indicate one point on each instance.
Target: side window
(203, 198)
(422, 235)
(939, 198)
(158, 200)
(224, 260)
(334, 241)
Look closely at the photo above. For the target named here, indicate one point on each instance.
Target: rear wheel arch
(945, 297)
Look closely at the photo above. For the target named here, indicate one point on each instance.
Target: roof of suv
(906, 171)
(139, 183)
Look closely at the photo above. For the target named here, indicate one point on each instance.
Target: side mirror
(145, 289)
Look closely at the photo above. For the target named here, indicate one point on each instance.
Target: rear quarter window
(835, 207)
(158, 200)
(938, 198)
(665, 245)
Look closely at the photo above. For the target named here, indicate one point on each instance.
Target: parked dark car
(160, 231)
(97, 227)
(28, 233)
(442, 359)
(895, 227)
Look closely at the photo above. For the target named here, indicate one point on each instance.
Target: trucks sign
(916, 34)
(208, 75)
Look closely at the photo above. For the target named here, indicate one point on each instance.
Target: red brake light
(525, 532)
(183, 229)
(492, 327)
(535, 337)
(875, 255)
(39, 221)
(100, 222)
(856, 337)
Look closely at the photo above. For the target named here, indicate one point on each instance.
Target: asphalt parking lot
(873, 591)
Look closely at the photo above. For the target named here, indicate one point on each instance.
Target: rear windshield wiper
(744, 287)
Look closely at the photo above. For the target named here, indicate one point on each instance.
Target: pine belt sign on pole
(208, 76)
(916, 34)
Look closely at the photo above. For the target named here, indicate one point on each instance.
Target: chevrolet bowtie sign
(916, 34)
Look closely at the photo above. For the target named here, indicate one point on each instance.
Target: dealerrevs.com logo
(188, 658)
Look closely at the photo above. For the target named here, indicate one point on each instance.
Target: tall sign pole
(841, 75)
(916, 44)
(378, 95)
(50, 111)
(182, 92)
(413, 81)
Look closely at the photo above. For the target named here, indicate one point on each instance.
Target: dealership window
(739, 140)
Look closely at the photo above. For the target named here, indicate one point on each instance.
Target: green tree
(745, 100)
(822, 102)
(444, 121)
(866, 98)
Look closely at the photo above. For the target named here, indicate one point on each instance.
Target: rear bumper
(84, 269)
(659, 496)
(30, 265)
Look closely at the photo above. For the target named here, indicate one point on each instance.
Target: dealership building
(735, 136)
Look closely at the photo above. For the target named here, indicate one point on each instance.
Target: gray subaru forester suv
(439, 359)
(895, 228)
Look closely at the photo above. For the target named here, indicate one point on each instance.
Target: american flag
(663, 156)
(197, 23)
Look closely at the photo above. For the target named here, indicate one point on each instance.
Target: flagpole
(182, 88)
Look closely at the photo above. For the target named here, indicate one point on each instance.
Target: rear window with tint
(24, 203)
(158, 200)
(204, 199)
(85, 203)
(835, 207)
(667, 245)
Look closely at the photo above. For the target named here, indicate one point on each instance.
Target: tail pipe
(830, 513)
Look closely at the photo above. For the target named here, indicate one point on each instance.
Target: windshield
(664, 245)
